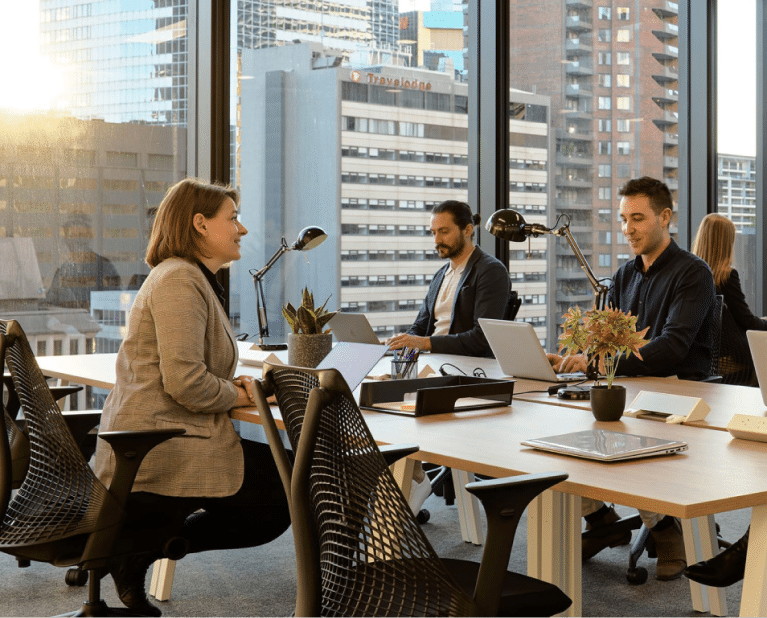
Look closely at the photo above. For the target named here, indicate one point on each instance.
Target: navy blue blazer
(482, 292)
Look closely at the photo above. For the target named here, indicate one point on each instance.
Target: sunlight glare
(30, 82)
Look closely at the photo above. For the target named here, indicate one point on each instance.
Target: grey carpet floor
(261, 581)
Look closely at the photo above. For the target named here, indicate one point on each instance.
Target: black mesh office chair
(82, 424)
(359, 549)
(62, 514)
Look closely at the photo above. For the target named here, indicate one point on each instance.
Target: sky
(30, 82)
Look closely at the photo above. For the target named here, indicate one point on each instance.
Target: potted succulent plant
(603, 335)
(309, 343)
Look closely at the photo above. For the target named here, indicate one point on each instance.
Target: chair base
(100, 609)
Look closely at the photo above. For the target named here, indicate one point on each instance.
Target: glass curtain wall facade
(333, 124)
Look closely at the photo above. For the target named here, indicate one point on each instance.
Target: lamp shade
(507, 224)
(309, 238)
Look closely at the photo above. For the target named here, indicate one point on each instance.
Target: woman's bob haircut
(173, 232)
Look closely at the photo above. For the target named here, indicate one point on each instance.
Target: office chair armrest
(59, 392)
(504, 501)
(130, 448)
(80, 422)
(392, 453)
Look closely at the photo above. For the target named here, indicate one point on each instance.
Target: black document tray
(436, 395)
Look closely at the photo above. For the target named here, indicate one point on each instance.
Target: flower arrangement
(307, 319)
(602, 334)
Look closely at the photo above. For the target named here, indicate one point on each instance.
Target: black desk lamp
(508, 224)
(308, 239)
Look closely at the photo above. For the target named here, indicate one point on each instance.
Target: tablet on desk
(606, 445)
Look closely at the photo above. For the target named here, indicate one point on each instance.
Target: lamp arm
(600, 291)
(258, 277)
(284, 248)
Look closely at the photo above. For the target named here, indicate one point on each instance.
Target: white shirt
(443, 308)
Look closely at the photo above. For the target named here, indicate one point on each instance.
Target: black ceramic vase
(607, 404)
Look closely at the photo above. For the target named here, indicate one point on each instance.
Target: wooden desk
(725, 400)
(685, 485)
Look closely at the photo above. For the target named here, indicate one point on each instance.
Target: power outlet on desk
(747, 427)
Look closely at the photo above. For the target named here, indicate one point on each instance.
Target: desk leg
(753, 600)
(403, 474)
(700, 543)
(162, 579)
(468, 508)
(554, 544)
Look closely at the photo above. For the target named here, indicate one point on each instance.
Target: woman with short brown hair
(175, 369)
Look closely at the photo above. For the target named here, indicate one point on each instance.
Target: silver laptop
(353, 360)
(757, 342)
(605, 445)
(519, 351)
(353, 327)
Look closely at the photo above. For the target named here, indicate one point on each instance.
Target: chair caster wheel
(76, 577)
(637, 576)
(423, 516)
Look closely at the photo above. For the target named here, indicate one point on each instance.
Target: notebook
(605, 445)
(353, 360)
(757, 342)
(519, 351)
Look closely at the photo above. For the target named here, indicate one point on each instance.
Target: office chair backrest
(512, 306)
(359, 548)
(60, 496)
(716, 336)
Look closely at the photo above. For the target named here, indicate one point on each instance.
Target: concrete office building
(610, 69)
(366, 154)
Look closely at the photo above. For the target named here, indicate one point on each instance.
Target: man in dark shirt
(671, 291)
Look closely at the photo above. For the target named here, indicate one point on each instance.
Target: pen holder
(404, 369)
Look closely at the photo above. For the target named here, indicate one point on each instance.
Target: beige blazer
(175, 369)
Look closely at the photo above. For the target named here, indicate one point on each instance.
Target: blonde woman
(714, 244)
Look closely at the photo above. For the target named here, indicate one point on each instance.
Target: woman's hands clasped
(245, 394)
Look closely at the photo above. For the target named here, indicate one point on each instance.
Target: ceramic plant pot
(607, 404)
(308, 350)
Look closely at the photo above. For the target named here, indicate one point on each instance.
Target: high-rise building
(368, 153)
(434, 38)
(610, 69)
(128, 61)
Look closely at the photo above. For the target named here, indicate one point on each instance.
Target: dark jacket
(482, 292)
(735, 363)
(676, 299)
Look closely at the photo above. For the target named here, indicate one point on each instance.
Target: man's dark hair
(461, 212)
(656, 191)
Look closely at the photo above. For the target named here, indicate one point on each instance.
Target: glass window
(604, 35)
(623, 103)
(605, 147)
(623, 80)
(605, 80)
(94, 123)
(605, 170)
(605, 125)
(623, 36)
(603, 12)
(623, 13)
(605, 103)
(624, 148)
(411, 123)
(736, 148)
(623, 125)
(605, 58)
(623, 58)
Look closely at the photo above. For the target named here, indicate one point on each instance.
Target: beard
(451, 251)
